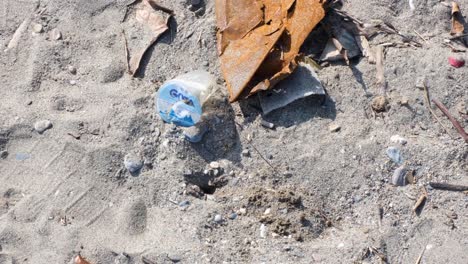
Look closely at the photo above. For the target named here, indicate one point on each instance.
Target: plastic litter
(180, 100)
(395, 155)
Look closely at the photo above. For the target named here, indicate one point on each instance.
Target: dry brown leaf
(80, 260)
(259, 41)
(156, 6)
(457, 20)
(155, 21)
(158, 25)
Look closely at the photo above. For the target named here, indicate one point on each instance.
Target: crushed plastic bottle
(180, 100)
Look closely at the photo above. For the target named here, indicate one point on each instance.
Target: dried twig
(418, 261)
(454, 49)
(419, 35)
(459, 36)
(455, 123)
(428, 102)
(258, 152)
(448, 187)
(126, 51)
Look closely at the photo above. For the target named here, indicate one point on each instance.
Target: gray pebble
(398, 139)
(267, 124)
(42, 126)
(218, 219)
(195, 134)
(72, 69)
(37, 28)
(334, 127)
(184, 204)
(246, 153)
(399, 176)
(3, 154)
(174, 258)
(55, 34)
(133, 164)
(233, 216)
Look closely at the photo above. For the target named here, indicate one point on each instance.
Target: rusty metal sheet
(259, 40)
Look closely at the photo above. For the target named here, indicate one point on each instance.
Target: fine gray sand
(66, 191)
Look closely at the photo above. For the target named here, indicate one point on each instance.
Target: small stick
(448, 187)
(452, 119)
(172, 201)
(428, 102)
(259, 153)
(418, 261)
(419, 35)
(459, 36)
(453, 48)
(126, 51)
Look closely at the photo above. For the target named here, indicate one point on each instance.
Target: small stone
(72, 82)
(267, 124)
(267, 211)
(37, 28)
(398, 139)
(29, 102)
(218, 218)
(263, 231)
(462, 108)
(205, 64)
(133, 164)
(242, 211)
(404, 101)
(174, 258)
(42, 126)
(399, 176)
(379, 104)
(184, 204)
(3, 154)
(334, 128)
(72, 69)
(214, 165)
(196, 133)
(246, 153)
(233, 216)
(55, 34)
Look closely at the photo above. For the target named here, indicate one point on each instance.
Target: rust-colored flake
(259, 40)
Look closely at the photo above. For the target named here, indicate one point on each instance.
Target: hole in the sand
(208, 190)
